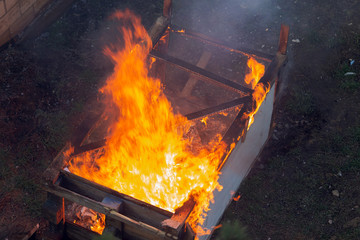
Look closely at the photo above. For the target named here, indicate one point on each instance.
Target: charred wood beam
(89, 123)
(90, 194)
(204, 74)
(273, 69)
(110, 214)
(96, 191)
(175, 224)
(89, 147)
(51, 174)
(219, 44)
(218, 108)
(158, 29)
(237, 128)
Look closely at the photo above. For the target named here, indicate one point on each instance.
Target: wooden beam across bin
(90, 194)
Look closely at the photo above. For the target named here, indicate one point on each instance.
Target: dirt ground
(305, 185)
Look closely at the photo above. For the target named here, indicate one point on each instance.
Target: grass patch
(232, 231)
(348, 76)
(350, 85)
(55, 129)
(25, 184)
(32, 197)
(301, 103)
(4, 167)
(33, 203)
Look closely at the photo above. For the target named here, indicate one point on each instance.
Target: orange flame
(224, 113)
(258, 96)
(256, 73)
(89, 219)
(204, 120)
(237, 198)
(147, 155)
(99, 224)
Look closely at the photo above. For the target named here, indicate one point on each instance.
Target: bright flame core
(257, 70)
(147, 156)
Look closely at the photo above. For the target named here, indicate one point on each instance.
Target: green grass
(33, 203)
(32, 197)
(4, 167)
(232, 231)
(350, 83)
(301, 103)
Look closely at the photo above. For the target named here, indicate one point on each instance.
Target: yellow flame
(147, 156)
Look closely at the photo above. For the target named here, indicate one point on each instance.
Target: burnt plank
(204, 74)
(88, 147)
(189, 233)
(175, 225)
(273, 69)
(54, 209)
(158, 29)
(110, 214)
(52, 172)
(89, 123)
(237, 128)
(133, 207)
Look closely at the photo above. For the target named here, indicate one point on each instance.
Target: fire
(256, 73)
(204, 120)
(88, 218)
(147, 156)
(237, 198)
(258, 96)
(224, 113)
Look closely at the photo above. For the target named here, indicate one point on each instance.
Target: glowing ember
(88, 218)
(204, 120)
(147, 155)
(237, 198)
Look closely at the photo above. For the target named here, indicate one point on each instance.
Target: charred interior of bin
(215, 88)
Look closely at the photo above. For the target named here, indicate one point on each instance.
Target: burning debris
(146, 155)
(152, 157)
(86, 217)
